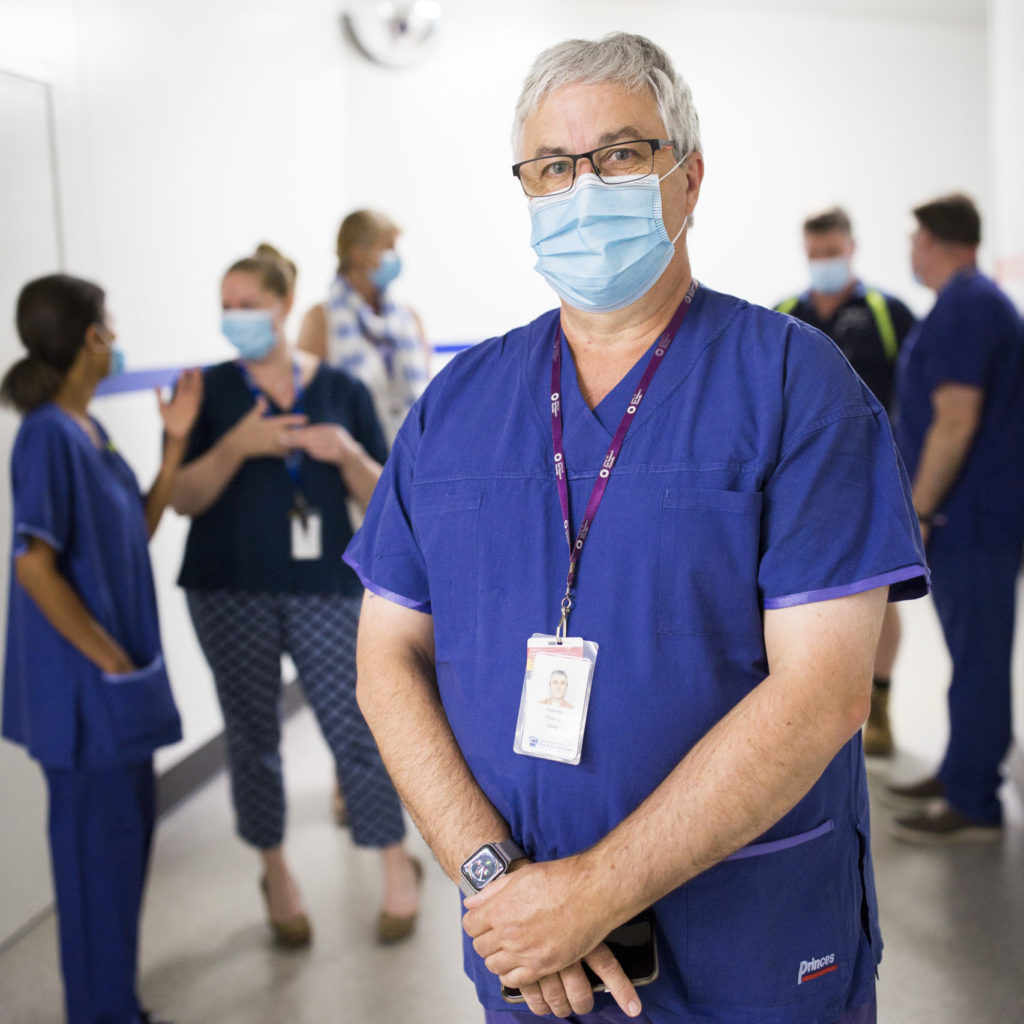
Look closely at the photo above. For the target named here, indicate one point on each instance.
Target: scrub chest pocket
(447, 534)
(709, 546)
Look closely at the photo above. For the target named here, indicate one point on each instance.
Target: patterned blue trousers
(243, 636)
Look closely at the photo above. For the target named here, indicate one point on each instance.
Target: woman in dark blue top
(85, 687)
(281, 444)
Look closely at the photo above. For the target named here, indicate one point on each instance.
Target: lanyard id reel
(560, 668)
(305, 523)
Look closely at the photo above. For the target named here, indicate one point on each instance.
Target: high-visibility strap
(879, 310)
(883, 321)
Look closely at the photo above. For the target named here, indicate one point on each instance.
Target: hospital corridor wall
(147, 146)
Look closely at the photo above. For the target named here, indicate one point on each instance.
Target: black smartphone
(633, 945)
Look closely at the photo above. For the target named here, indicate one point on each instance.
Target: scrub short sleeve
(837, 517)
(41, 480)
(959, 347)
(384, 553)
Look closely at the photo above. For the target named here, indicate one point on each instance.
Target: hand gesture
(268, 436)
(180, 411)
(326, 442)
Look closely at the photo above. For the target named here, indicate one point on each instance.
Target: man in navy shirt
(960, 430)
(869, 328)
(740, 517)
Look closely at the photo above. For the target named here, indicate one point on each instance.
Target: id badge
(555, 698)
(306, 534)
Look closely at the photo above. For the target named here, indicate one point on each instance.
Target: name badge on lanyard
(560, 669)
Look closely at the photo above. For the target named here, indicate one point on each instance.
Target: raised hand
(179, 412)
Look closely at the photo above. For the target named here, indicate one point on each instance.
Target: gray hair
(634, 61)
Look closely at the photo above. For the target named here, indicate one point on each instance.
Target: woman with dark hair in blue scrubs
(85, 686)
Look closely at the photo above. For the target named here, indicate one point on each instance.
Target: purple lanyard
(653, 364)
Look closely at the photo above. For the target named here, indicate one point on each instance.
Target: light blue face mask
(601, 247)
(829, 277)
(117, 361)
(251, 331)
(389, 268)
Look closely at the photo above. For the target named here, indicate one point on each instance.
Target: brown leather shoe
(877, 733)
(294, 933)
(338, 808)
(915, 797)
(392, 928)
(944, 826)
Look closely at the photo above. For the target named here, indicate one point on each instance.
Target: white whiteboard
(30, 245)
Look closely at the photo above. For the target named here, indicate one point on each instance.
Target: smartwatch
(488, 863)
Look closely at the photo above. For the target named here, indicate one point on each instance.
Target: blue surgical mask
(251, 331)
(388, 269)
(116, 361)
(829, 277)
(601, 247)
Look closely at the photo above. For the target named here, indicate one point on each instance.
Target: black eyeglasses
(549, 175)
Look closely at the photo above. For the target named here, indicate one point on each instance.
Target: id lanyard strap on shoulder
(561, 472)
(293, 460)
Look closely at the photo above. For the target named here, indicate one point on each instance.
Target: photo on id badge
(553, 707)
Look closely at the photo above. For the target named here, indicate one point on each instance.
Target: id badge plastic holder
(306, 530)
(556, 694)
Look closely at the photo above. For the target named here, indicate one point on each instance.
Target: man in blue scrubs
(737, 516)
(960, 429)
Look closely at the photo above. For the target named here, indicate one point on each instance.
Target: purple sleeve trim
(760, 849)
(23, 530)
(908, 572)
(388, 595)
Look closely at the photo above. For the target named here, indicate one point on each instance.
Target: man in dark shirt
(869, 328)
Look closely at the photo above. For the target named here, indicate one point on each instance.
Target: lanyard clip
(563, 624)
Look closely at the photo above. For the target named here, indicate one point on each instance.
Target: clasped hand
(279, 436)
(535, 927)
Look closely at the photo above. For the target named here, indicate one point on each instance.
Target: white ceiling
(972, 12)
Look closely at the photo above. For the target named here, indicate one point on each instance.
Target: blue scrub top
(85, 503)
(973, 335)
(759, 472)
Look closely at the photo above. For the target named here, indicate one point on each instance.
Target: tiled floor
(953, 919)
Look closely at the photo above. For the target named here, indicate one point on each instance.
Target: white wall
(190, 131)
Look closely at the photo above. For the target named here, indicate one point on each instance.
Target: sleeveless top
(383, 350)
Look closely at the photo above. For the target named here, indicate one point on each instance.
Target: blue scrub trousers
(101, 827)
(975, 592)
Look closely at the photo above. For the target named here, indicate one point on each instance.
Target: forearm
(65, 611)
(742, 777)
(199, 484)
(160, 493)
(942, 457)
(360, 474)
(758, 761)
(398, 696)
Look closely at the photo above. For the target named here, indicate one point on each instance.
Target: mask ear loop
(682, 160)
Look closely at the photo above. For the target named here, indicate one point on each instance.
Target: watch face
(483, 868)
